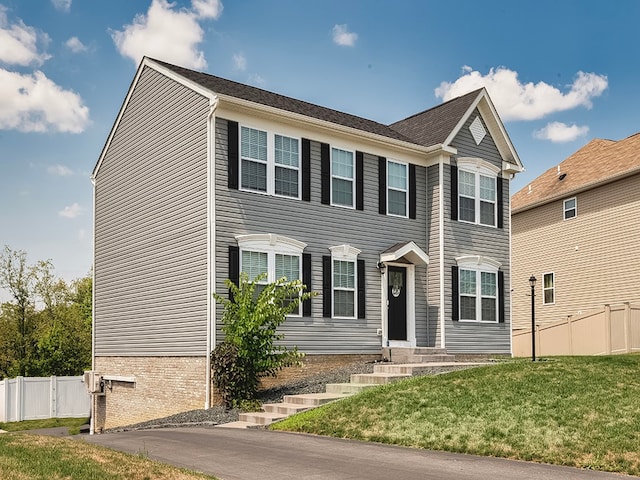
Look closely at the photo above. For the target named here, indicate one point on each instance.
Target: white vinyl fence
(24, 398)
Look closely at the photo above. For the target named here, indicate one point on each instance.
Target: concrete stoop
(414, 362)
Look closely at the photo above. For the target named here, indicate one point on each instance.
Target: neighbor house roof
(598, 162)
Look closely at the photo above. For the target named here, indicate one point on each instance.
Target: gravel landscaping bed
(312, 384)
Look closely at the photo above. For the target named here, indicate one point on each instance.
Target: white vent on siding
(477, 130)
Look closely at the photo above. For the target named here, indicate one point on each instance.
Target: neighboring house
(576, 229)
(402, 230)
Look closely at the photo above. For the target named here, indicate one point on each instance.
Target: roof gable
(597, 163)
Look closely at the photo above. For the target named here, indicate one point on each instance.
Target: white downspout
(211, 239)
(441, 250)
(92, 421)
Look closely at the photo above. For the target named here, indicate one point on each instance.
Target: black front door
(397, 302)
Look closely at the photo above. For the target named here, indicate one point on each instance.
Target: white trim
(270, 240)
(565, 209)
(406, 188)
(478, 168)
(479, 270)
(507, 291)
(478, 261)
(553, 276)
(211, 241)
(410, 306)
(352, 180)
(345, 253)
(481, 165)
(410, 251)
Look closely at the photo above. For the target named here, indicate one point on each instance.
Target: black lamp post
(532, 282)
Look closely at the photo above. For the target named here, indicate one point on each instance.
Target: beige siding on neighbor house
(593, 256)
(151, 225)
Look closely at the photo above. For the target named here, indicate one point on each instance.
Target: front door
(397, 302)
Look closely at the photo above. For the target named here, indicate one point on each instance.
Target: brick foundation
(168, 385)
(164, 386)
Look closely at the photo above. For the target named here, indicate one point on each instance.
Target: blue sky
(560, 73)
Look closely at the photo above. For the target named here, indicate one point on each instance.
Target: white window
(270, 163)
(570, 208)
(548, 289)
(478, 289)
(477, 192)
(342, 177)
(344, 281)
(397, 188)
(273, 255)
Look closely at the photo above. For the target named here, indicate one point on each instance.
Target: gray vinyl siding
(320, 227)
(151, 225)
(466, 239)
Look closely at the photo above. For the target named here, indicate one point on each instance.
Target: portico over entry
(398, 268)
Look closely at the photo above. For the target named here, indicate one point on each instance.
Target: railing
(611, 330)
(35, 398)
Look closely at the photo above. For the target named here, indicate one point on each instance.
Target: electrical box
(93, 382)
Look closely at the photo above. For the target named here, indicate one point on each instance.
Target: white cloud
(33, 103)
(515, 100)
(239, 62)
(82, 234)
(75, 45)
(342, 36)
(168, 33)
(208, 8)
(19, 42)
(71, 211)
(559, 132)
(59, 170)
(62, 5)
(256, 80)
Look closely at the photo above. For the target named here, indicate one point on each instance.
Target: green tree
(251, 347)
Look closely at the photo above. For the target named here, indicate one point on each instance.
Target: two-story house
(575, 228)
(402, 230)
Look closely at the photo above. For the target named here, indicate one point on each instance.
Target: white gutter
(211, 242)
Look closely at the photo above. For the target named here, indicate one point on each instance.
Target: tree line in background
(45, 326)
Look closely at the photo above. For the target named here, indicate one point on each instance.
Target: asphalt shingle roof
(427, 128)
(594, 164)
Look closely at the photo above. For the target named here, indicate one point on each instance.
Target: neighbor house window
(344, 282)
(342, 177)
(570, 208)
(478, 295)
(273, 255)
(397, 188)
(549, 289)
(270, 163)
(477, 192)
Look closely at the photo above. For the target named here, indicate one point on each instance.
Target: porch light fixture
(381, 267)
(532, 283)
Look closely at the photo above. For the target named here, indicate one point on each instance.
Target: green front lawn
(74, 424)
(576, 411)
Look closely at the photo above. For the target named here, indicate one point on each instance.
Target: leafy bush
(249, 322)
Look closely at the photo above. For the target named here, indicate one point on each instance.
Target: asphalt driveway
(232, 454)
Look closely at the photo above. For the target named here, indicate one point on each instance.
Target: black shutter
(234, 266)
(232, 154)
(361, 290)
(454, 192)
(412, 190)
(500, 296)
(306, 170)
(382, 185)
(455, 297)
(500, 209)
(306, 279)
(326, 286)
(359, 181)
(325, 173)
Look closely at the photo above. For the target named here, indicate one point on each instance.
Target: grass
(36, 457)
(576, 411)
(73, 424)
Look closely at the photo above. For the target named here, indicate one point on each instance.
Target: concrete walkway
(232, 454)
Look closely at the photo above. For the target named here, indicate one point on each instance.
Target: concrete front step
(261, 418)
(285, 408)
(346, 389)
(381, 378)
(237, 424)
(313, 399)
(417, 355)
